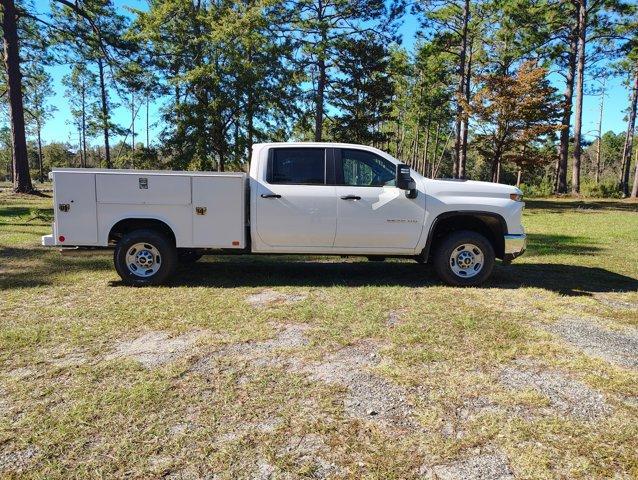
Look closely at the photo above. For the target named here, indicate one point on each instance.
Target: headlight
(517, 197)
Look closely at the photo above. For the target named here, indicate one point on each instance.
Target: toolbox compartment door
(218, 211)
(75, 208)
(143, 189)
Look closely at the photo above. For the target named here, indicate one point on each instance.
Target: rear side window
(299, 166)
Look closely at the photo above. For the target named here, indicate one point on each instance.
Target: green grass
(113, 418)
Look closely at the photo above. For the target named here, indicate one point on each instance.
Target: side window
(366, 169)
(299, 166)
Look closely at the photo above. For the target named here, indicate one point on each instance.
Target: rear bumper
(48, 240)
(515, 246)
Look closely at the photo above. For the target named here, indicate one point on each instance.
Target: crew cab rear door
(296, 205)
(372, 212)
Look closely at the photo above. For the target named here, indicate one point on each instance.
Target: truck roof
(313, 144)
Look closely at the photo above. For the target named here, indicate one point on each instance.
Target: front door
(372, 212)
(296, 206)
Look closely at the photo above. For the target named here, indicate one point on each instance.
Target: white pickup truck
(299, 198)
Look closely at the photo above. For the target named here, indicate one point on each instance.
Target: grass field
(324, 368)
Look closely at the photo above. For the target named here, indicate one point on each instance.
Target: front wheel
(464, 258)
(144, 257)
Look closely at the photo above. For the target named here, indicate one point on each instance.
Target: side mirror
(404, 181)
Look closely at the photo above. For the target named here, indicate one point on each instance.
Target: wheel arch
(129, 224)
(492, 225)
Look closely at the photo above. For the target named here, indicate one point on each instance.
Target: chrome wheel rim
(467, 260)
(143, 260)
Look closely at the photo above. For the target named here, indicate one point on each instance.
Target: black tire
(165, 249)
(188, 256)
(443, 258)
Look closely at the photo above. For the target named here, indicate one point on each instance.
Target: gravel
(268, 297)
(566, 395)
(155, 348)
(16, 461)
(479, 467)
(620, 348)
(369, 396)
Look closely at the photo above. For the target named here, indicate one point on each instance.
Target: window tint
(298, 166)
(366, 169)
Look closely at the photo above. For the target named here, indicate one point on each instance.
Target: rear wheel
(144, 257)
(464, 258)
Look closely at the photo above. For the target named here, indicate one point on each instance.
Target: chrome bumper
(515, 245)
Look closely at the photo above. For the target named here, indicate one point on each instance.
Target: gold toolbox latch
(64, 207)
(200, 210)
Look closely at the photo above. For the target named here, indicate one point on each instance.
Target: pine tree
(362, 91)
(514, 112)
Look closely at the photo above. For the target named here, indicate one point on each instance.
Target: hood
(471, 187)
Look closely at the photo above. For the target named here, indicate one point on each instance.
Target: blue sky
(59, 127)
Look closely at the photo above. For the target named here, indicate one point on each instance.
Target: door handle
(351, 197)
(270, 195)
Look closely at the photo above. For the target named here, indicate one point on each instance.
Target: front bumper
(515, 246)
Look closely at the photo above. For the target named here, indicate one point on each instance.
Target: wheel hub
(466, 260)
(143, 259)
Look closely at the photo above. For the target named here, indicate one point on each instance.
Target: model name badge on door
(401, 220)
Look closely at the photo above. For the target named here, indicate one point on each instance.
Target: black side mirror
(404, 180)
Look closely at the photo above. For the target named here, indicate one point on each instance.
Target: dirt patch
(369, 396)
(272, 297)
(479, 467)
(266, 426)
(21, 373)
(262, 353)
(566, 395)
(394, 319)
(155, 348)
(620, 348)
(614, 302)
(17, 461)
(74, 359)
(309, 452)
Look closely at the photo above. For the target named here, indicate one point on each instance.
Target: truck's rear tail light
(517, 197)
(61, 238)
(235, 243)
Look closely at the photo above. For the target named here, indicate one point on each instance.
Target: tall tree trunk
(133, 121)
(568, 96)
(629, 138)
(40, 166)
(321, 87)
(426, 146)
(634, 190)
(147, 128)
(518, 176)
(600, 132)
(461, 125)
(580, 85)
(20, 160)
(436, 150)
(105, 113)
(83, 129)
(465, 124)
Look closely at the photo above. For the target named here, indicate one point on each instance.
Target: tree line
(491, 89)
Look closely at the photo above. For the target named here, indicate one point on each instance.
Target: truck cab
(298, 198)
